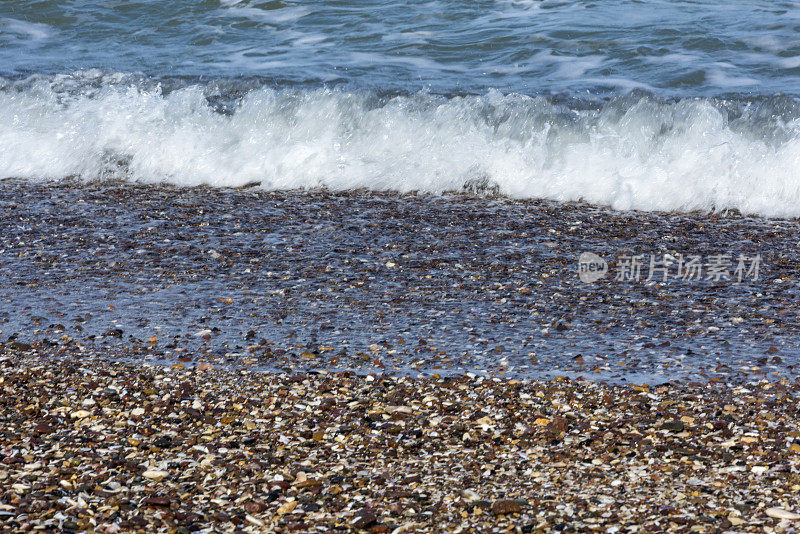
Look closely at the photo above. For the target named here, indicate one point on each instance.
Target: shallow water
(365, 281)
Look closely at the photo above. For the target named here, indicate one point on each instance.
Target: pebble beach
(381, 267)
(300, 367)
(94, 445)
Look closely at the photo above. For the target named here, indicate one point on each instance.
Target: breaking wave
(634, 151)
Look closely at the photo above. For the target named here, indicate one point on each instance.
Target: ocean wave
(635, 151)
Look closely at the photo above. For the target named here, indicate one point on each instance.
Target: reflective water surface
(368, 281)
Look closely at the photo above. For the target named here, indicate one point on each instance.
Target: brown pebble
(254, 507)
(506, 506)
(673, 426)
(364, 520)
(559, 425)
(43, 428)
(282, 484)
(157, 501)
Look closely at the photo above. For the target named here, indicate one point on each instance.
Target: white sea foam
(633, 152)
(726, 75)
(567, 67)
(243, 8)
(789, 62)
(23, 30)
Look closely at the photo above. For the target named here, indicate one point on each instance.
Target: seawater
(652, 105)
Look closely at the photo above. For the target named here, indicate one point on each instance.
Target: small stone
(559, 425)
(673, 426)
(43, 428)
(80, 414)
(136, 412)
(158, 501)
(470, 496)
(780, 513)
(193, 518)
(155, 474)
(364, 520)
(163, 442)
(506, 506)
(287, 508)
(254, 521)
(735, 520)
(254, 507)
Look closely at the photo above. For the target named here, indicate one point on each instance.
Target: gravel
(102, 446)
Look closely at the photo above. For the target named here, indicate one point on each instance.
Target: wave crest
(635, 151)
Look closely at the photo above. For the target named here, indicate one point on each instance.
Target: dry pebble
(237, 451)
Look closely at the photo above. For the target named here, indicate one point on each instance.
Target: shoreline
(364, 280)
(94, 445)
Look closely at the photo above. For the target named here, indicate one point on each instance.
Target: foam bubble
(633, 152)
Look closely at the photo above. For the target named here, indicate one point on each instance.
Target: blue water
(651, 105)
(679, 48)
